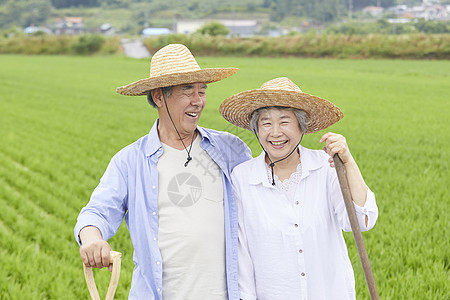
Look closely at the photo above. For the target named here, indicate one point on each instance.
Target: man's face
(185, 105)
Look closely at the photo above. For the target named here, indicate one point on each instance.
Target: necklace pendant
(187, 161)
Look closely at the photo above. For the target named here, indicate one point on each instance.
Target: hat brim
(321, 113)
(140, 87)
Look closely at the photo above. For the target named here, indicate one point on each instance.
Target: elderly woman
(290, 206)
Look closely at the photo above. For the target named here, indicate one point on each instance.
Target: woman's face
(278, 132)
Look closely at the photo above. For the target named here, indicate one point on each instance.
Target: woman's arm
(336, 144)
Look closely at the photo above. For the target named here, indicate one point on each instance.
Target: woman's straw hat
(238, 108)
(174, 64)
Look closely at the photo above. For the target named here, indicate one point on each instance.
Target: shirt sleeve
(237, 152)
(107, 205)
(369, 209)
(246, 272)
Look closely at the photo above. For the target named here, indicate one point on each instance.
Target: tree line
(23, 13)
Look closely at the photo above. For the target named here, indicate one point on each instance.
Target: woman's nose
(276, 130)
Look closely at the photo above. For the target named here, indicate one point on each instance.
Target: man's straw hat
(238, 108)
(174, 64)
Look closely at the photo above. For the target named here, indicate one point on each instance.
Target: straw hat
(238, 108)
(174, 64)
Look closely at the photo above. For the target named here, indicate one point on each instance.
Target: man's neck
(172, 139)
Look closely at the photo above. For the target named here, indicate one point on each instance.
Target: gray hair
(302, 118)
(167, 92)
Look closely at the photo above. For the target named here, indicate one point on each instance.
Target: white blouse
(294, 249)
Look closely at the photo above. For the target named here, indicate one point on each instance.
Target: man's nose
(196, 99)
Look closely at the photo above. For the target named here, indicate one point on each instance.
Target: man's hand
(94, 251)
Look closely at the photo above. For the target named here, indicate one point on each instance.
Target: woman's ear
(157, 97)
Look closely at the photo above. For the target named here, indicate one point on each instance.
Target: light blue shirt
(129, 188)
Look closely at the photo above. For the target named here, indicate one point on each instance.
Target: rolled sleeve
(369, 210)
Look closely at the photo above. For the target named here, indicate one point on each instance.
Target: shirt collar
(310, 162)
(154, 143)
(206, 136)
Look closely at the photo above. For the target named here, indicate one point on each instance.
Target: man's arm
(94, 251)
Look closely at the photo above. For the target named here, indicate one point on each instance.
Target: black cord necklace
(189, 158)
(272, 164)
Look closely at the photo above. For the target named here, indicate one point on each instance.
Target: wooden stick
(340, 169)
(115, 259)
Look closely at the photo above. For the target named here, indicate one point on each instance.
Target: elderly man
(173, 188)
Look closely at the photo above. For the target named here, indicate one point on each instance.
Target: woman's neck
(283, 169)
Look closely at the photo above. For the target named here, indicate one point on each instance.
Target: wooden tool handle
(115, 259)
(340, 170)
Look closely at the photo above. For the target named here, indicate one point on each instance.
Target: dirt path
(134, 48)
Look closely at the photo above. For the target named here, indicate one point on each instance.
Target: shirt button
(158, 263)
(365, 210)
(303, 274)
(295, 225)
(154, 239)
(158, 289)
(297, 203)
(153, 187)
(300, 251)
(154, 213)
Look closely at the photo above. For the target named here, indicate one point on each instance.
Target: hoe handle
(115, 259)
(355, 227)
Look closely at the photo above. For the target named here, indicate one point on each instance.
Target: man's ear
(157, 97)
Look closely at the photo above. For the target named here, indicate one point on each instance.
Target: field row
(61, 122)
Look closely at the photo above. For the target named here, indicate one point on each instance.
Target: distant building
(69, 25)
(107, 29)
(189, 26)
(399, 20)
(148, 32)
(34, 29)
(243, 28)
(428, 11)
(374, 11)
(399, 10)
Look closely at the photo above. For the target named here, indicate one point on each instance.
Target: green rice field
(61, 122)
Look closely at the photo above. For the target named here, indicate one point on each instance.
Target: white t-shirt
(191, 225)
(294, 249)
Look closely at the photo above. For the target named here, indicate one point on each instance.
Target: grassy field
(61, 122)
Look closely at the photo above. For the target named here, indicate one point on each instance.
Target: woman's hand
(336, 144)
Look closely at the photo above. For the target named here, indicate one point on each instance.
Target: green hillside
(130, 16)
